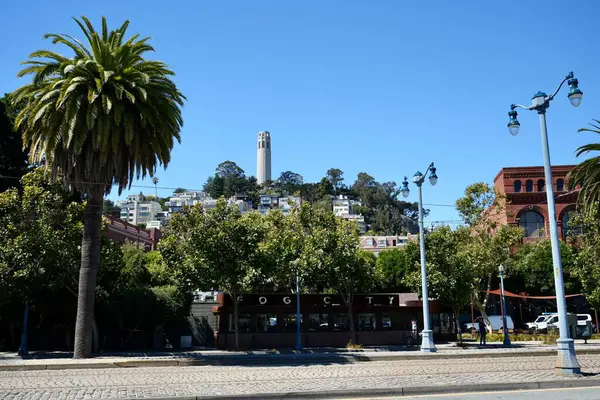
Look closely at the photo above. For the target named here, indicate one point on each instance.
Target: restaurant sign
(318, 300)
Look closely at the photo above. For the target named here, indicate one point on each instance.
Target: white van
(493, 324)
(543, 322)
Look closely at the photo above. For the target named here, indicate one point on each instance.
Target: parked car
(493, 323)
(540, 323)
(550, 321)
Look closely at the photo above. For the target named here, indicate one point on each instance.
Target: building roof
(523, 172)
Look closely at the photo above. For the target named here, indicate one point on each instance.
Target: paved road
(559, 394)
(244, 380)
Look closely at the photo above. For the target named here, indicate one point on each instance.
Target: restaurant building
(525, 191)
(269, 320)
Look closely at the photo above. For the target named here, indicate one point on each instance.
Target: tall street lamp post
(427, 344)
(298, 318)
(566, 363)
(504, 326)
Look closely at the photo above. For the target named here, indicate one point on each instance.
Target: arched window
(560, 185)
(529, 186)
(268, 144)
(533, 224)
(541, 185)
(517, 186)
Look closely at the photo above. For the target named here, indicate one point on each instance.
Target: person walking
(482, 332)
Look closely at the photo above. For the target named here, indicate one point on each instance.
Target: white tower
(263, 157)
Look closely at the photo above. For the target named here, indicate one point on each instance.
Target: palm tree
(98, 118)
(587, 174)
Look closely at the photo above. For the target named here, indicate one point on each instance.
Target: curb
(407, 391)
(278, 360)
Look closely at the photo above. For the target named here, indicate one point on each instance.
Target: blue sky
(383, 87)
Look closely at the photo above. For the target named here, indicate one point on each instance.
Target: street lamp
(427, 344)
(566, 362)
(298, 317)
(504, 326)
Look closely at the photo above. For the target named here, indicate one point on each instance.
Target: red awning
(525, 296)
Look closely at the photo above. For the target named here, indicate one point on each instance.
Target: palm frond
(104, 116)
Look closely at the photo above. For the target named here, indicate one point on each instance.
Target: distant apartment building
(185, 199)
(135, 210)
(268, 202)
(377, 244)
(160, 220)
(344, 207)
(189, 199)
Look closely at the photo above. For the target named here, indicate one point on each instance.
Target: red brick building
(525, 191)
(121, 231)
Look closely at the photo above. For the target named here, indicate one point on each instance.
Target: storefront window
(289, 322)
(435, 322)
(367, 322)
(447, 323)
(340, 322)
(266, 323)
(319, 322)
(391, 321)
(243, 323)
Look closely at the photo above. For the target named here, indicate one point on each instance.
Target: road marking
(473, 393)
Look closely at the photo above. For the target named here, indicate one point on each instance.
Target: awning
(525, 296)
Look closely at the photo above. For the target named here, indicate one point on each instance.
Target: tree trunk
(351, 319)
(90, 259)
(236, 320)
(487, 294)
(457, 322)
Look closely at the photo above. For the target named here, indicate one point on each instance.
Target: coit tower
(263, 157)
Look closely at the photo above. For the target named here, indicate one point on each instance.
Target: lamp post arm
(427, 171)
(551, 97)
(528, 108)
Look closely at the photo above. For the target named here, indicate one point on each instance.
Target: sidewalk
(58, 361)
(307, 381)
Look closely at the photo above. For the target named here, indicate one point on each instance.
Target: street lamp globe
(405, 190)
(417, 177)
(575, 94)
(433, 178)
(513, 123)
(501, 269)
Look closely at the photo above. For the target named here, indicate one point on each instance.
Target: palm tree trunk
(90, 259)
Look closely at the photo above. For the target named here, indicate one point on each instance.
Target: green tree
(587, 174)
(394, 265)
(13, 160)
(491, 243)
(383, 212)
(229, 180)
(339, 265)
(335, 176)
(289, 182)
(40, 230)
(586, 240)
(532, 269)
(109, 208)
(449, 278)
(99, 117)
(217, 249)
